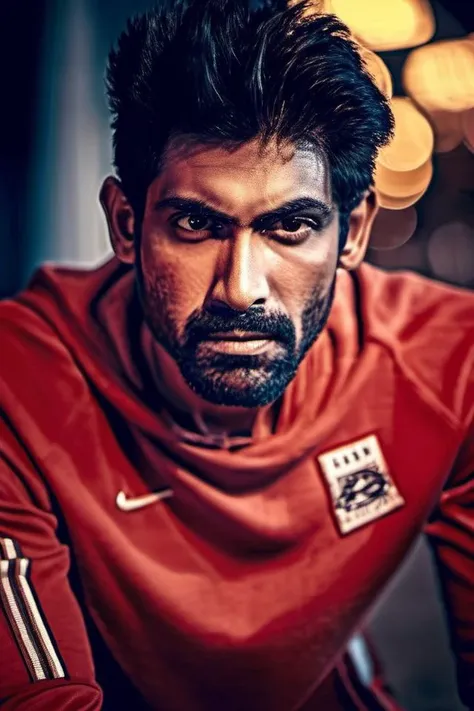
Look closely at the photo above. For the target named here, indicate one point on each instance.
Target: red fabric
(238, 592)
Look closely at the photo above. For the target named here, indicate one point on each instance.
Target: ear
(361, 220)
(120, 219)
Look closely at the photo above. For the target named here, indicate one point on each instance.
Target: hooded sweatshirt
(237, 581)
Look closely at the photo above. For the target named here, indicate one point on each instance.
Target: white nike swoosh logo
(125, 503)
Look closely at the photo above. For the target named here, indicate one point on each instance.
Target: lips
(239, 336)
(238, 343)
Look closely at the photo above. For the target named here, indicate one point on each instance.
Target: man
(218, 446)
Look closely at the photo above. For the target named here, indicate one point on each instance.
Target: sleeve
(450, 532)
(46, 660)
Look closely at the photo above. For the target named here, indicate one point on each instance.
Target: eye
(294, 228)
(292, 224)
(194, 223)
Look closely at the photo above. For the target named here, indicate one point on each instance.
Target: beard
(234, 379)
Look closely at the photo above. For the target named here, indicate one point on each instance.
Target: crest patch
(360, 484)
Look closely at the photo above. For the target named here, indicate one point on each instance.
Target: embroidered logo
(126, 503)
(360, 484)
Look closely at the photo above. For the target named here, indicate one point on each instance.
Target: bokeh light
(384, 26)
(448, 130)
(403, 183)
(467, 120)
(413, 142)
(440, 76)
(451, 252)
(378, 70)
(392, 228)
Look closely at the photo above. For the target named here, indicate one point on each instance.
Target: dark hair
(217, 72)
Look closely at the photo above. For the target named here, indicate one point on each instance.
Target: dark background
(54, 152)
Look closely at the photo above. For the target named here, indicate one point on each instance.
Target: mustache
(274, 326)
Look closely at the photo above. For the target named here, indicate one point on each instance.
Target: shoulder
(429, 328)
(406, 300)
(39, 376)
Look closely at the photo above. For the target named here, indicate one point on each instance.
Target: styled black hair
(219, 72)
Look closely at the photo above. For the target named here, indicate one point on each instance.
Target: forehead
(248, 179)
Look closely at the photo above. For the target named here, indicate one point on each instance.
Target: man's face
(238, 245)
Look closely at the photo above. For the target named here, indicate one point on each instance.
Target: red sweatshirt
(240, 589)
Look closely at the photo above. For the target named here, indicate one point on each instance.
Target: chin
(241, 387)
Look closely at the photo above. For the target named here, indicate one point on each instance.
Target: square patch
(360, 484)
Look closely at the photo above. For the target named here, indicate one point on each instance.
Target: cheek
(173, 285)
(307, 276)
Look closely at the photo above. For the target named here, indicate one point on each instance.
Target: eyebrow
(200, 207)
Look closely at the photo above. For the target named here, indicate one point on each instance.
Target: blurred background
(55, 150)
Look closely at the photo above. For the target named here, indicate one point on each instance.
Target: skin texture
(200, 275)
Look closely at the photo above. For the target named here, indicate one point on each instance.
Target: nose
(243, 281)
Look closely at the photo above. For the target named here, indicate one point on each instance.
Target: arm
(46, 657)
(451, 536)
